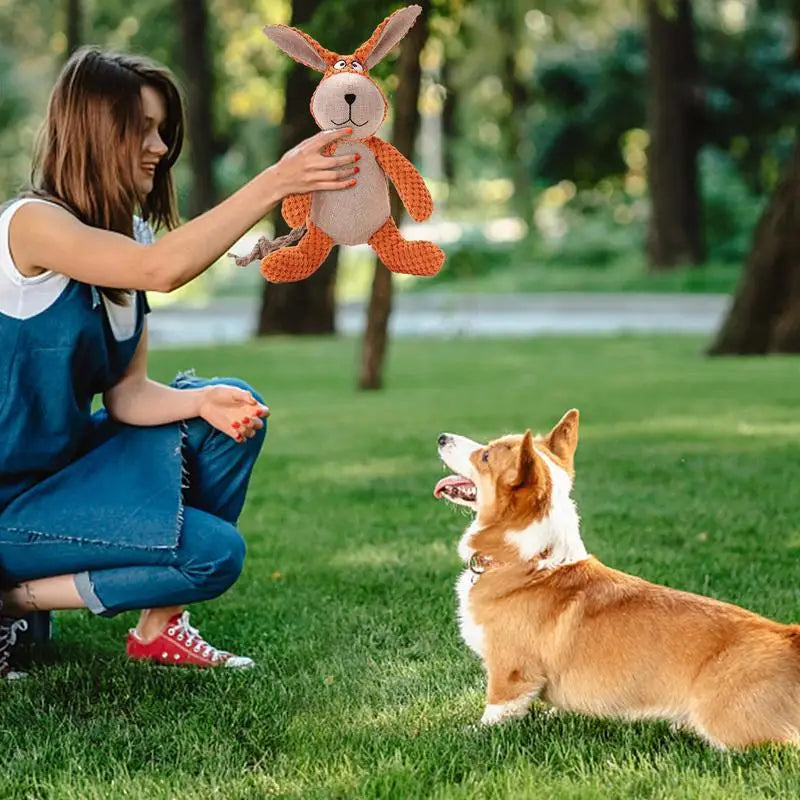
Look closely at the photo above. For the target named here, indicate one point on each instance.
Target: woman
(133, 507)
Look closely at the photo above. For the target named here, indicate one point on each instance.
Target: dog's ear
(526, 462)
(562, 441)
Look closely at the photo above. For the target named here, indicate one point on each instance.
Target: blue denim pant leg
(211, 551)
(113, 577)
(219, 468)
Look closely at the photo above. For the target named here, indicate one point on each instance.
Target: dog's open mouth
(455, 487)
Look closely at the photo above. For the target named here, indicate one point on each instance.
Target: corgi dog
(549, 621)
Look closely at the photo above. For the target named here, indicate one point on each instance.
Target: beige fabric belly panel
(353, 215)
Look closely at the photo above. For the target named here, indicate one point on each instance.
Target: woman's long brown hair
(92, 137)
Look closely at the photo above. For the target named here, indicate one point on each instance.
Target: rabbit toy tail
(263, 247)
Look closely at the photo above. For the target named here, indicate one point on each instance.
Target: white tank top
(24, 297)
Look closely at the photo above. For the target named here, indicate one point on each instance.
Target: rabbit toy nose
(350, 99)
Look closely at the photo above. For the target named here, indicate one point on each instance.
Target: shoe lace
(8, 638)
(191, 637)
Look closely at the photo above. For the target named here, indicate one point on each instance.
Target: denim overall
(142, 516)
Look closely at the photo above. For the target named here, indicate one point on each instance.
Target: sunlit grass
(687, 475)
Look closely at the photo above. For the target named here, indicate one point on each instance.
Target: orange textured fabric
(403, 174)
(400, 255)
(295, 208)
(298, 262)
(363, 52)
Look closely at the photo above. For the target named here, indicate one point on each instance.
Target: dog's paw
(496, 714)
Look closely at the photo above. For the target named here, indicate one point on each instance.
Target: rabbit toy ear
(301, 47)
(387, 35)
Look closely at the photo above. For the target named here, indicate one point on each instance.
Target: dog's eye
(340, 64)
(485, 456)
(357, 66)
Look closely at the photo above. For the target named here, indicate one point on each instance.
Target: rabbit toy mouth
(349, 121)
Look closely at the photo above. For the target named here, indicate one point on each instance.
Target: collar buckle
(478, 564)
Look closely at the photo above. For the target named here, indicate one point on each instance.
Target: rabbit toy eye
(340, 64)
(356, 65)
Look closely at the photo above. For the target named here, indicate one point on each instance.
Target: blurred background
(596, 165)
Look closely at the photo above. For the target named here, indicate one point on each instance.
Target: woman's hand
(304, 169)
(232, 410)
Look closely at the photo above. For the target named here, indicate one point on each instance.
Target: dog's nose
(350, 99)
(443, 439)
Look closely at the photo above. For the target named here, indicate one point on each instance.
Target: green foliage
(14, 109)
(751, 90)
(730, 208)
(589, 99)
(345, 25)
(600, 244)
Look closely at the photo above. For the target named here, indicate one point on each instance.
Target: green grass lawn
(687, 474)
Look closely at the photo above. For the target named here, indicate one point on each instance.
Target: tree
(404, 129)
(74, 25)
(764, 316)
(305, 307)
(198, 78)
(674, 235)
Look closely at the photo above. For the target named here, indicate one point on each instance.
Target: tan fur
(590, 639)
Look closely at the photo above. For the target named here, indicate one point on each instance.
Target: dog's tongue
(450, 480)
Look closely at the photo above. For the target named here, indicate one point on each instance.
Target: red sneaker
(180, 644)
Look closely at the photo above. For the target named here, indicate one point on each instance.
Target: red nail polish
(246, 420)
(238, 437)
(356, 169)
(235, 424)
(358, 157)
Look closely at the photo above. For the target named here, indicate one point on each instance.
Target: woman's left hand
(232, 411)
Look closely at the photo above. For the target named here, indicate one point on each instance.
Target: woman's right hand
(231, 410)
(304, 169)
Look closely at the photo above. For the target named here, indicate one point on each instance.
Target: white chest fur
(471, 632)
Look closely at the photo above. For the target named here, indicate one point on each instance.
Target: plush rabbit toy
(348, 97)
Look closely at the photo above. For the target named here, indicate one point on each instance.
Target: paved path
(446, 315)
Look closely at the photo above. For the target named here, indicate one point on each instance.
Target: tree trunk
(449, 122)
(404, 129)
(74, 25)
(674, 234)
(308, 306)
(198, 78)
(765, 314)
(519, 149)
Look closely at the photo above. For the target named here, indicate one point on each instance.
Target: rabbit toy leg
(399, 255)
(291, 264)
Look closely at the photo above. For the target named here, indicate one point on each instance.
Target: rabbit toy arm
(295, 208)
(403, 174)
